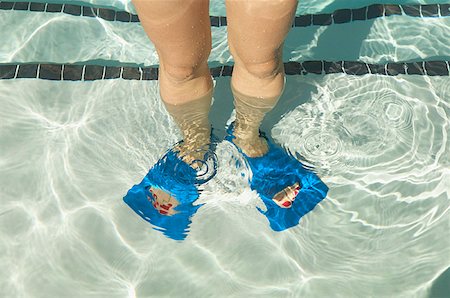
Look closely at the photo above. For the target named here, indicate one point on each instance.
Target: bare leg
(181, 33)
(256, 33)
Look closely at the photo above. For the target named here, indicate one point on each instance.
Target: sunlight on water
(374, 41)
(71, 150)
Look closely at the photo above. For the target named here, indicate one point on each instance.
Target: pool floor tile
(134, 18)
(214, 21)
(28, 71)
(411, 10)
(131, 73)
(7, 71)
(107, 14)
(6, 5)
(223, 21)
(227, 70)
(93, 72)
(215, 71)
(375, 11)
(359, 14)
(71, 9)
(392, 9)
(430, 10)
(35, 6)
(112, 72)
(54, 7)
(394, 69)
(341, 16)
(149, 73)
(355, 68)
(123, 16)
(332, 67)
(303, 21)
(444, 9)
(321, 19)
(50, 71)
(21, 5)
(89, 11)
(73, 72)
(377, 69)
(415, 68)
(312, 67)
(436, 68)
(293, 68)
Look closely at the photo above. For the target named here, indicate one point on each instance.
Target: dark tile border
(71, 9)
(70, 72)
(340, 16)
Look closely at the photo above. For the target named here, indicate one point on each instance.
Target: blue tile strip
(339, 16)
(70, 72)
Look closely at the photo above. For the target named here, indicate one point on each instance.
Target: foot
(165, 197)
(287, 188)
(255, 146)
(191, 153)
(286, 197)
(162, 201)
(251, 146)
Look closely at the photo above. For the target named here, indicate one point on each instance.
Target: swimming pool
(367, 103)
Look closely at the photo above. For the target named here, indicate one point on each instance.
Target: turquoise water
(71, 150)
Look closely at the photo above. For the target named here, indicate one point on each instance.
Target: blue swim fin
(273, 172)
(176, 177)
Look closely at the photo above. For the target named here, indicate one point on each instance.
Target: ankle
(250, 142)
(194, 147)
(246, 131)
(197, 139)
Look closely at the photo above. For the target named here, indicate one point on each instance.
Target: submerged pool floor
(71, 150)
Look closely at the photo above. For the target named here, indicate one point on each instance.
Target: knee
(180, 73)
(264, 70)
(181, 69)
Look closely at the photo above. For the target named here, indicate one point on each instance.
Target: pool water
(70, 150)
